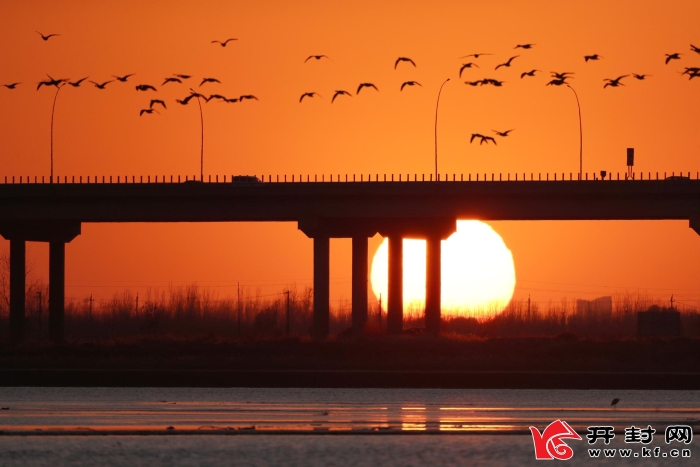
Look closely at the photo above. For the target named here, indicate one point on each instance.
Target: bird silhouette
(524, 46)
(404, 59)
(223, 44)
(691, 70)
(694, 74)
(186, 100)
(171, 80)
(148, 111)
(557, 82)
(528, 73)
(502, 133)
(475, 55)
(614, 82)
(157, 101)
(675, 56)
(340, 93)
(76, 84)
(592, 57)
(209, 80)
(183, 76)
(194, 93)
(123, 78)
(247, 96)
(473, 83)
(507, 64)
(215, 96)
(639, 77)
(410, 83)
(317, 57)
(484, 139)
(145, 87)
(231, 101)
(467, 65)
(309, 94)
(51, 82)
(614, 402)
(475, 135)
(47, 37)
(366, 85)
(101, 85)
(564, 75)
(12, 85)
(493, 82)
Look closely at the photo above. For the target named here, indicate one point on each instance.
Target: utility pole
(137, 305)
(528, 307)
(380, 310)
(238, 301)
(287, 292)
(672, 300)
(91, 300)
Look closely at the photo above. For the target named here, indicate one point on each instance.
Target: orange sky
(100, 132)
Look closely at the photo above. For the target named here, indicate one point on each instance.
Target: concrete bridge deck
(54, 212)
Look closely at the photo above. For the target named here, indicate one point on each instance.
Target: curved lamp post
(436, 122)
(580, 130)
(53, 110)
(201, 122)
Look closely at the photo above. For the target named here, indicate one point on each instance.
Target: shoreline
(42, 377)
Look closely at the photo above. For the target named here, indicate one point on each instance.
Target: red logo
(549, 444)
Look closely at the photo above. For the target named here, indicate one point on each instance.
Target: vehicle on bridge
(245, 179)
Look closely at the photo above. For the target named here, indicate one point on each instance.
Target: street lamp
(436, 122)
(580, 131)
(53, 110)
(201, 122)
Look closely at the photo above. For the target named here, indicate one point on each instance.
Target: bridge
(356, 207)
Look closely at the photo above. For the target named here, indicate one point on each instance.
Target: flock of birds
(556, 79)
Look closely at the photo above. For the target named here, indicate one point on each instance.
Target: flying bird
(614, 402)
(101, 85)
(473, 83)
(691, 70)
(209, 80)
(11, 86)
(317, 57)
(507, 64)
(148, 111)
(493, 82)
(247, 96)
(51, 82)
(592, 57)
(562, 75)
(639, 77)
(675, 56)
(183, 76)
(145, 87)
(557, 82)
(340, 93)
(231, 101)
(171, 80)
(475, 135)
(484, 139)
(528, 73)
(467, 65)
(404, 59)
(223, 44)
(123, 78)
(614, 82)
(309, 94)
(474, 55)
(157, 101)
(216, 96)
(186, 100)
(502, 133)
(76, 84)
(410, 83)
(695, 49)
(46, 38)
(524, 46)
(366, 85)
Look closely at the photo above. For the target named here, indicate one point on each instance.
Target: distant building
(599, 308)
(659, 322)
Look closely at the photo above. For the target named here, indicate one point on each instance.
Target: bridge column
(395, 287)
(321, 287)
(17, 289)
(359, 284)
(57, 284)
(433, 285)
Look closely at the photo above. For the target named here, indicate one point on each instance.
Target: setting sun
(478, 274)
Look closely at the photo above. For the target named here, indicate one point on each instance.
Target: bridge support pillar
(321, 320)
(57, 287)
(433, 285)
(17, 289)
(359, 284)
(395, 287)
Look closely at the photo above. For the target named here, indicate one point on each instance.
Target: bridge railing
(347, 178)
